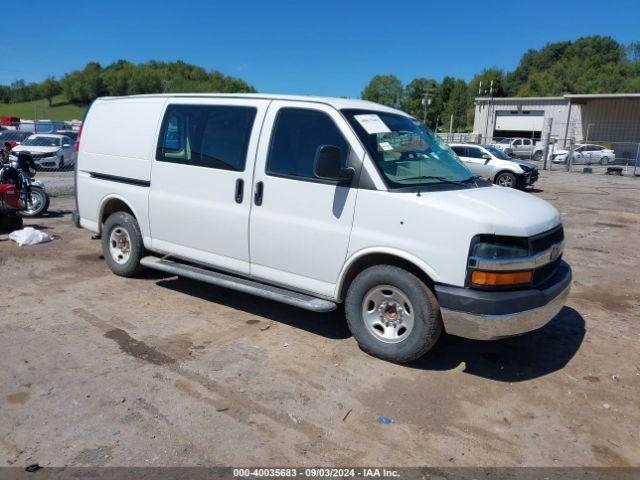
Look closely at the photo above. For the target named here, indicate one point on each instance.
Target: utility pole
(451, 128)
(426, 101)
(489, 104)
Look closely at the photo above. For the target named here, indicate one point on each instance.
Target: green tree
(49, 89)
(384, 89)
(458, 105)
(415, 100)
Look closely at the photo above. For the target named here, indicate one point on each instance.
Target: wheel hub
(388, 314)
(119, 245)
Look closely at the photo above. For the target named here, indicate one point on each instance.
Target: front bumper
(47, 162)
(531, 177)
(488, 315)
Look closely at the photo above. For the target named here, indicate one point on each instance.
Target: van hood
(496, 210)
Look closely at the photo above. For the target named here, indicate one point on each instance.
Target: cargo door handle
(239, 190)
(257, 198)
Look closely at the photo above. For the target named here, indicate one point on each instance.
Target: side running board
(241, 284)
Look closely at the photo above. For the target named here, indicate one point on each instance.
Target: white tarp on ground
(29, 236)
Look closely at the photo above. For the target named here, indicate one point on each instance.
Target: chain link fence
(580, 151)
(51, 144)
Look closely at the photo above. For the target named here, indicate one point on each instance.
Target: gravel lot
(100, 370)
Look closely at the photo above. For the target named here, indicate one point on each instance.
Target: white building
(592, 118)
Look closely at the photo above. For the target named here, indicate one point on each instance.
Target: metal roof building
(592, 118)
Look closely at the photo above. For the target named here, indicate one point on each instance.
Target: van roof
(338, 103)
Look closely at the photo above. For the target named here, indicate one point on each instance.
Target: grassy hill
(60, 110)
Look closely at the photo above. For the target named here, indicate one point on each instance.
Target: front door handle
(239, 190)
(257, 198)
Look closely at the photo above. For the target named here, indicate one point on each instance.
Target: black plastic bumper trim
(502, 303)
(114, 178)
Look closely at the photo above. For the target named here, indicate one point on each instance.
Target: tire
(61, 164)
(604, 161)
(122, 245)
(537, 156)
(40, 203)
(506, 179)
(406, 295)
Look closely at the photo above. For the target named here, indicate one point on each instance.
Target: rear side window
(212, 136)
(474, 152)
(460, 151)
(296, 137)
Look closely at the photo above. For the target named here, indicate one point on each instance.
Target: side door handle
(257, 198)
(239, 190)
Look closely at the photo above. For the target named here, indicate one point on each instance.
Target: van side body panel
(114, 158)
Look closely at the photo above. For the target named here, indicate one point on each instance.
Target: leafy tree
(458, 104)
(384, 89)
(49, 89)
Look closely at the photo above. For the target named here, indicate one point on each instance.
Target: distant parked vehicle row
(585, 154)
(13, 137)
(489, 162)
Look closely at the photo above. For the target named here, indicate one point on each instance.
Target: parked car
(586, 154)
(315, 202)
(48, 151)
(493, 164)
(521, 148)
(14, 137)
(72, 134)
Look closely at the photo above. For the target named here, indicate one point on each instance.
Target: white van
(315, 202)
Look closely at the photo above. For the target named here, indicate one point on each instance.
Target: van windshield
(406, 151)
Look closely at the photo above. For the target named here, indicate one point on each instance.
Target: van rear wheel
(122, 245)
(392, 314)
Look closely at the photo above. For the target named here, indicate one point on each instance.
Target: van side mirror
(327, 164)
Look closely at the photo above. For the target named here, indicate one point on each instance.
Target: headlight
(494, 262)
(499, 250)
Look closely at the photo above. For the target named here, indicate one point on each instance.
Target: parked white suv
(493, 164)
(318, 201)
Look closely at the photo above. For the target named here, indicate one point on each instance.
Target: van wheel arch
(113, 205)
(372, 259)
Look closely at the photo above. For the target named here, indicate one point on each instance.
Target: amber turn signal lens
(497, 279)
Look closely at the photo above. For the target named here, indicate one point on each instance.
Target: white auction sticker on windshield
(386, 146)
(372, 123)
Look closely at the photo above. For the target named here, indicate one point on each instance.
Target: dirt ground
(160, 371)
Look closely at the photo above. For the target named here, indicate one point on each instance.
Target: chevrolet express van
(315, 202)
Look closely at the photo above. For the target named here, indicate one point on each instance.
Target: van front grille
(546, 240)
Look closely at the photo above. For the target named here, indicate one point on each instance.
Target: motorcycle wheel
(39, 203)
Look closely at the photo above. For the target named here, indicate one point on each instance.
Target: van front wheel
(122, 245)
(392, 314)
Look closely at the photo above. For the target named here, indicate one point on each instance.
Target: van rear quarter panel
(118, 139)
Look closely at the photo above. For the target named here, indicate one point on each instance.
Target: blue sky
(328, 47)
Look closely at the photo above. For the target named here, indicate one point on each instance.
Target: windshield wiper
(462, 183)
